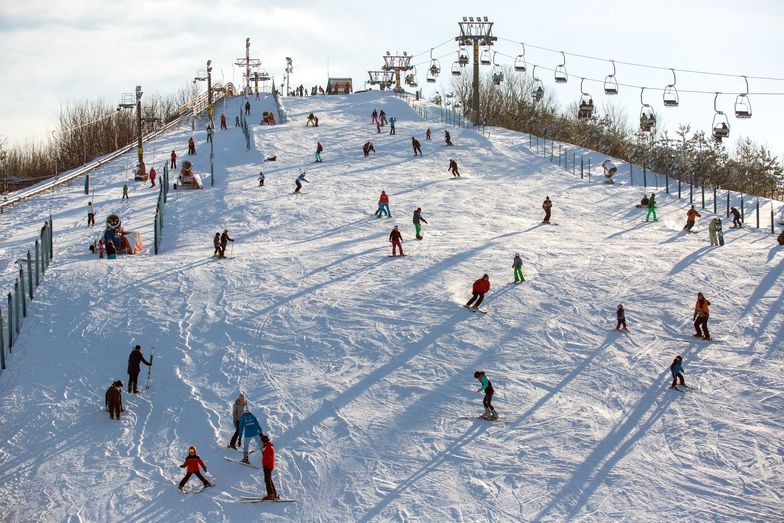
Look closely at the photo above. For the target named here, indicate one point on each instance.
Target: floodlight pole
(209, 91)
(477, 33)
(139, 149)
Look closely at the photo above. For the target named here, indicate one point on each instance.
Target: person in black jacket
(453, 169)
(134, 360)
(736, 223)
(418, 220)
(224, 240)
(417, 146)
(113, 399)
(216, 242)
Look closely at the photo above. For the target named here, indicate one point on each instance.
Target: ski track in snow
(360, 366)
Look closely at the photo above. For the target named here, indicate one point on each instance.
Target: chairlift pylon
(647, 116)
(670, 94)
(519, 63)
(610, 83)
(742, 103)
(585, 109)
(537, 89)
(721, 124)
(560, 73)
(484, 58)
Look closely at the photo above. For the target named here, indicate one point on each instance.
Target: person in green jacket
(517, 265)
(125, 192)
(487, 388)
(651, 207)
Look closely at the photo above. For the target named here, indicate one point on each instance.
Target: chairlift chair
(431, 78)
(585, 109)
(498, 72)
(721, 124)
(434, 68)
(647, 115)
(411, 79)
(456, 69)
(519, 63)
(484, 58)
(560, 73)
(537, 89)
(462, 57)
(610, 83)
(743, 104)
(670, 94)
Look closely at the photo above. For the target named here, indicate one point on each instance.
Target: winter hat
(478, 374)
(264, 438)
(192, 448)
(620, 305)
(138, 347)
(117, 383)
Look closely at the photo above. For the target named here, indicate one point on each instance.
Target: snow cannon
(609, 170)
(187, 179)
(141, 174)
(125, 242)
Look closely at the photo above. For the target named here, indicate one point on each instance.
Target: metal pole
(703, 195)
(714, 200)
(758, 214)
(679, 187)
(772, 230)
(10, 324)
(477, 119)
(742, 210)
(30, 273)
(728, 204)
(691, 189)
(37, 264)
(667, 181)
(51, 232)
(22, 296)
(644, 175)
(631, 174)
(582, 166)
(17, 317)
(574, 162)
(2, 342)
(589, 168)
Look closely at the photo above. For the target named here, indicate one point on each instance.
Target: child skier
(621, 315)
(392, 121)
(299, 180)
(418, 220)
(427, 134)
(383, 205)
(216, 242)
(676, 368)
(192, 465)
(517, 265)
(453, 169)
(417, 146)
(173, 160)
(396, 238)
(249, 428)
(547, 205)
(191, 146)
(90, 215)
(700, 317)
(261, 179)
(125, 192)
(487, 388)
(113, 399)
(268, 464)
(479, 289)
(153, 174)
(319, 149)
(651, 207)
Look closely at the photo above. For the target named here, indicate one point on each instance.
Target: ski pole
(231, 252)
(149, 369)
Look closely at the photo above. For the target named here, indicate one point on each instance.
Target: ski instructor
(135, 359)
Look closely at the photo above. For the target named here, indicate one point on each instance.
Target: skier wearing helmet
(192, 465)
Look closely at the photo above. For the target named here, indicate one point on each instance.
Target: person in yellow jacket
(700, 318)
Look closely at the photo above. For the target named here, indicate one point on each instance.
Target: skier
(417, 146)
(319, 149)
(392, 121)
(676, 369)
(135, 358)
(90, 215)
(383, 205)
(113, 399)
(249, 427)
(216, 243)
(209, 133)
(397, 241)
(621, 315)
(192, 465)
(480, 287)
(374, 116)
(517, 265)
(487, 388)
(713, 229)
(418, 222)
(191, 146)
(382, 118)
(236, 413)
(247, 107)
(125, 192)
(691, 217)
(643, 202)
(312, 120)
(447, 138)
(268, 464)
(261, 179)
(223, 122)
(111, 251)
(736, 223)
(367, 148)
(700, 317)
(153, 174)
(173, 160)
(453, 169)
(224, 240)
(378, 127)
(427, 134)
(547, 205)
(651, 207)
(299, 180)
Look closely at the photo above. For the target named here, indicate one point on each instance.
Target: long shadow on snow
(137, 284)
(766, 284)
(689, 259)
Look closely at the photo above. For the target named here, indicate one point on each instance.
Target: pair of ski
(261, 499)
(475, 309)
(483, 418)
(683, 389)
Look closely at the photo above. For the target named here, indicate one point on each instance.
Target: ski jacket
(452, 165)
(268, 456)
(652, 202)
(713, 226)
(644, 202)
(216, 241)
(249, 425)
(395, 235)
(418, 217)
(735, 213)
(518, 262)
(547, 205)
(135, 359)
(193, 463)
(486, 383)
(152, 174)
(392, 121)
(621, 314)
(415, 143)
(702, 309)
(301, 178)
(319, 148)
(481, 285)
(384, 198)
(692, 214)
(90, 209)
(247, 106)
(238, 410)
(676, 368)
(173, 155)
(225, 238)
(114, 396)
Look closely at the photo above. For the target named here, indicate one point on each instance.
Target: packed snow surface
(360, 365)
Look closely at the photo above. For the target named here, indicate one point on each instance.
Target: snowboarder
(427, 134)
(418, 220)
(217, 244)
(691, 217)
(268, 464)
(192, 465)
(487, 388)
(209, 133)
(90, 215)
(547, 205)
(249, 427)
(247, 107)
(392, 121)
(453, 169)
(397, 241)
(736, 223)
(651, 207)
(223, 122)
(517, 265)
(224, 240)
(367, 148)
(153, 174)
(236, 413)
(113, 399)
(447, 138)
(382, 118)
(125, 192)
(135, 358)
(374, 116)
(319, 149)
(417, 146)
(191, 146)
(479, 289)
(621, 315)
(700, 317)
(173, 160)
(236, 121)
(299, 180)
(383, 205)
(713, 229)
(676, 369)
(261, 179)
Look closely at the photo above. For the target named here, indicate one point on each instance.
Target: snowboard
(260, 499)
(241, 463)
(721, 238)
(515, 282)
(475, 310)
(482, 418)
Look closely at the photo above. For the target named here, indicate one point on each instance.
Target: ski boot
(493, 414)
(245, 458)
(488, 414)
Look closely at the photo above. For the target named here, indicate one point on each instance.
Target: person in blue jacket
(487, 388)
(249, 428)
(677, 372)
(299, 180)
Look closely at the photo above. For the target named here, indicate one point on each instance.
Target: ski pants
(702, 321)
(91, 220)
(736, 223)
(676, 377)
(454, 172)
(651, 210)
(487, 401)
(621, 322)
(713, 237)
(546, 217)
(318, 157)
(173, 163)
(397, 245)
(299, 186)
(269, 484)
(198, 475)
(418, 228)
(417, 150)
(236, 439)
(247, 442)
(383, 208)
(373, 119)
(133, 378)
(518, 274)
(478, 297)
(689, 224)
(114, 409)
(391, 130)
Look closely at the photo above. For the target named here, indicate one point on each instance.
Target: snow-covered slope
(360, 366)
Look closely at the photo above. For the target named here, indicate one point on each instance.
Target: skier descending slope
(676, 369)
(383, 205)
(487, 388)
(517, 265)
(453, 169)
(700, 318)
(417, 146)
(621, 315)
(192, 465)
(547, 205)
(299, 180)
(396, 239)
(418, 221)
(481, 286)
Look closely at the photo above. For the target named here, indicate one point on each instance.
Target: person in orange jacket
(700, 318)
(191, 146)
(192, 465)
(268, 464)
(691, 217)
(480, 288)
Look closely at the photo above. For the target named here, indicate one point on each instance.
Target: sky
(61, 52)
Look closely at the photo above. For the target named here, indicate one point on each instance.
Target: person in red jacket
(481, 286)
(383, 205)
(153, 174)
(173, 160)
(268, 463)
(192, 465)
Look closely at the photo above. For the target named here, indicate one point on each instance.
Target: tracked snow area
(360, 366)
